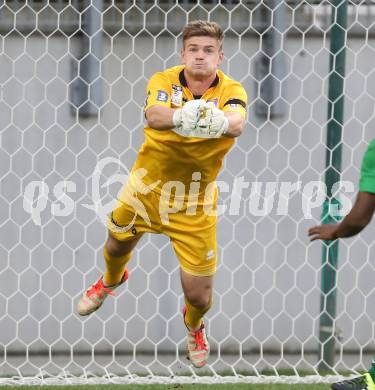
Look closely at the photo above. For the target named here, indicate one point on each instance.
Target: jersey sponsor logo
(210, 254)
(176, 99)
(162, 96)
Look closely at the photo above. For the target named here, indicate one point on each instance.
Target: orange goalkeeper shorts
(193, 237)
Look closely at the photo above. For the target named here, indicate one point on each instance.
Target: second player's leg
(198, 298)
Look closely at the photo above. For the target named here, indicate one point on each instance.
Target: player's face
(201, 56)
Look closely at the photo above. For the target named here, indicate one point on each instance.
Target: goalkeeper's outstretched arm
(160, 118)
(186, 118)
(165, 118)
(357, 219)
(236, 124)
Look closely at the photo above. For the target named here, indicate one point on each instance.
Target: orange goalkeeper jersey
(167, 156)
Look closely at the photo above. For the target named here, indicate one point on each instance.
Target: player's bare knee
(199, 301)
(112, 247)
(117, 248)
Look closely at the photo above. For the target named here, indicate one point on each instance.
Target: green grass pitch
(230, 386)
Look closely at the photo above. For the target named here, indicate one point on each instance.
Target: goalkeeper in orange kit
(193, 112)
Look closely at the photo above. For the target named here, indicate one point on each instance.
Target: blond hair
(199, 28)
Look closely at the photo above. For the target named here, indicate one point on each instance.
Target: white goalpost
(73, 81)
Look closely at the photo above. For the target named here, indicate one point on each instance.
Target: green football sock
(372, 369)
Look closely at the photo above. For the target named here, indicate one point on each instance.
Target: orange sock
(115, 268)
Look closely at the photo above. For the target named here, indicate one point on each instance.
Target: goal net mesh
(73, 79)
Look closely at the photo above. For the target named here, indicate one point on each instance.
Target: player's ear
(221, 57)
(182, 55)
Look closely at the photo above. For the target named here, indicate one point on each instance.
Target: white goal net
(73, 78)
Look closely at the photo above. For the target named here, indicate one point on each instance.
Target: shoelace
(199, 340)
(99, 287)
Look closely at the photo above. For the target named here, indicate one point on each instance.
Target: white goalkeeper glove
(213, 123)
(186, 119)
